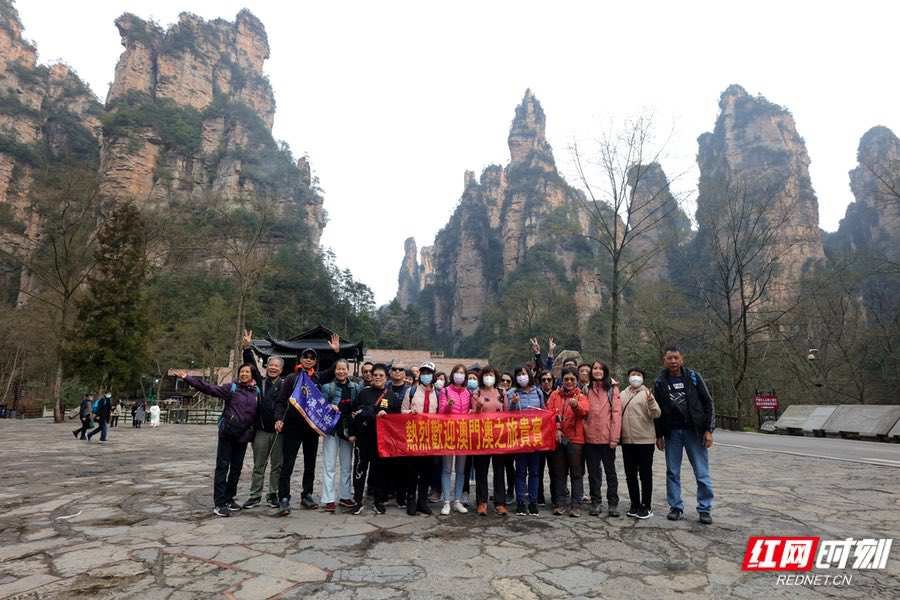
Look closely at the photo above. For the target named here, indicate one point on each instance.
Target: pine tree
(108, 348)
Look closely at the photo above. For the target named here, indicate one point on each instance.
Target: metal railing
(191, 416)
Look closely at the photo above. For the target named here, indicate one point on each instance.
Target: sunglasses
(505, 380)
(397, 369)
(546, 380)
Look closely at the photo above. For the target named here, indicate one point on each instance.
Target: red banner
(486, 433)
(766, 401)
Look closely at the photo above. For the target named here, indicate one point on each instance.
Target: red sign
(766, 402)
(486, 433)
(766, 553)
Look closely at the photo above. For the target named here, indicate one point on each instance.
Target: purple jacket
(240, 401)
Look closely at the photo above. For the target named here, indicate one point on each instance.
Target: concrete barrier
(804, 417)
(895, 432)
(863, 420)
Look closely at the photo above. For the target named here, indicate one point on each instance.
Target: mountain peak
(527, 134)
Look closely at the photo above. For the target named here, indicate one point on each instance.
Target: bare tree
(743, 240)
(625, 209)
(56, 262)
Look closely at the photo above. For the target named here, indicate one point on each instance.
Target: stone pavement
(132, 519)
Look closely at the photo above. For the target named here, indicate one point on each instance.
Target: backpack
(95, 407)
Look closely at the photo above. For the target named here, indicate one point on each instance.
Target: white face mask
(459, 378)
(489, 380)
(636, 381)
(439, 384)
(522, 380)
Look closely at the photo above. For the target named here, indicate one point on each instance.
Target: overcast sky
(393, 101)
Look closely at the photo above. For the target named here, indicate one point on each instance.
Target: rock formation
(190, 115)
(501, 217)
(755, 153)
(47, 116)
(872, 223)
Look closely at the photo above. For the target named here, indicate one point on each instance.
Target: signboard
(766, 401)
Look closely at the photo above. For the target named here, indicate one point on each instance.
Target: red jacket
(604, 422)
(571, 419)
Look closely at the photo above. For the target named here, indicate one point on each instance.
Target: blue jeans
(698, 455)
(527, 466)
(457, 464)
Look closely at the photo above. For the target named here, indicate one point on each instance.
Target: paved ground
(132, 519)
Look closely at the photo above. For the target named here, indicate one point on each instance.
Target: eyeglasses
(367, 371)
(397, 369)
(505, 380)
(546, 380)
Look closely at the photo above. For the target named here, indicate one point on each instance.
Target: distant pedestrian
(140, 414)
(154, 415)
(102, 411)
(116, 413)
(84, 413)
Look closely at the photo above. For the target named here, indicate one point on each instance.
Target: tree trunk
(239, 326)
(614, 325)
(59, 412)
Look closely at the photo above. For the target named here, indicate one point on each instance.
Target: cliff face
(47, 116)
(872, 223)
(501, 218)
(756, 154)
(663, 229)
(190, 115)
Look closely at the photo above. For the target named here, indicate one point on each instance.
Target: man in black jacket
(267, 441)
(686, 425)
(84, 413)
(104, 408)
(296, 432)
(369, 403)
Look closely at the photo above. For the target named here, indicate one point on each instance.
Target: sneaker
(482, 509)
(221, 511)
(411, 509)
(557, 511)
(252, 503)
(434, 497)
(423, 508)
(520, 509)
(233, 506)
(675, 515)
(401, 503)
(541, 501)
(284, 508)
(379, 508)
(458, 507)
(329, 507)
(446, 509)
(586, 499)
(644, 513)
(573, 512)
(633, 512)
(272, 501)
(705, 518)
(533, 509)
(465, 499)
(501, 510)
(307, 502)
(358, 509)
(594, 510)
(613, 511)
(346, 503)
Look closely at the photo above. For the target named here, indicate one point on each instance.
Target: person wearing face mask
(437, 462)
(544, 380)
(456, 400)
(639, 409)
(422, 399)
(570, 406)
(509, 463)
(472, 382)
(602, 433)
(526, 396)
(489, 399)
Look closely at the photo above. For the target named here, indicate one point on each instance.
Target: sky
(394, 101)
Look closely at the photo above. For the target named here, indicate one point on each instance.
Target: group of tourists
(103, 411)
(594, 414)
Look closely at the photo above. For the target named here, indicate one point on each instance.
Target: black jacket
(284, 410)
(701, 411)
(104, 407)
(269, 393)
(362, 424)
